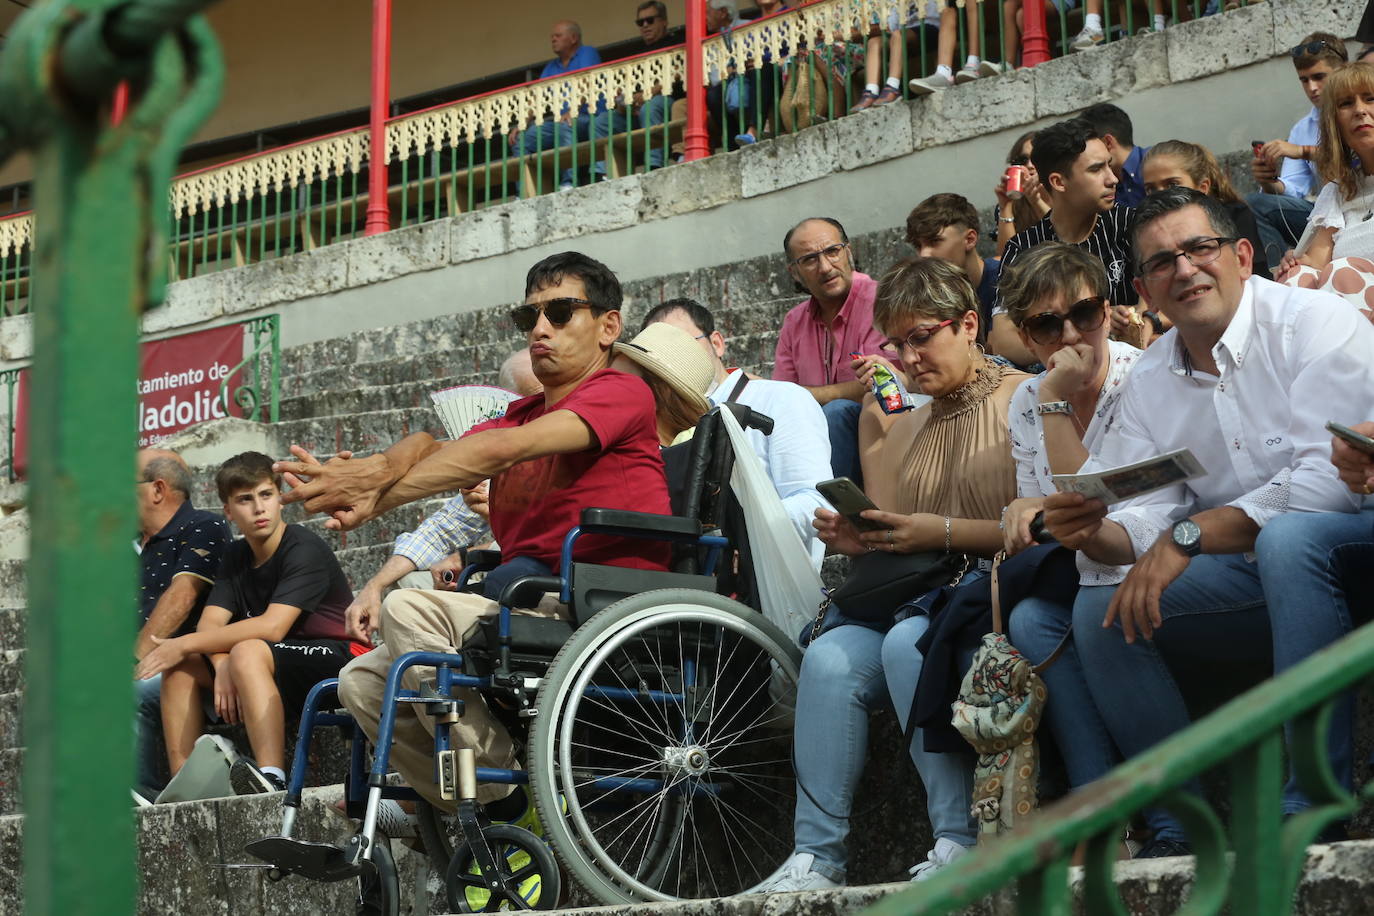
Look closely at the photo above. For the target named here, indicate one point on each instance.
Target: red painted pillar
(378, 208)
(696, 140)
(119, 106)
(1035, 37)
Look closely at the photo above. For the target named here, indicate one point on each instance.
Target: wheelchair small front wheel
(379, 887)
(525, 863)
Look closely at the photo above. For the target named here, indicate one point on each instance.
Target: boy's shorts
(300, 664)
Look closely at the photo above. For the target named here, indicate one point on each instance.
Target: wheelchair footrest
(316, 861)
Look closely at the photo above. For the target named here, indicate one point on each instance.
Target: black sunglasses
(558, 311)
(1311, 48)
(647, 20)
(1048, 327)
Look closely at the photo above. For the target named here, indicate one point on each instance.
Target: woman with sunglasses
(942, 474)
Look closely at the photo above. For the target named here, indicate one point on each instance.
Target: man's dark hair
(658, 6)
(787, 239)
(1058, 146)
(599, 281)
(933, 214)
(1171, 200)
(1332, 52)
(246, 469)
(1109, 119)
(1049, 270)
(699, 314)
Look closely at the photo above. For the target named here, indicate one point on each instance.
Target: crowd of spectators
(1128, 312)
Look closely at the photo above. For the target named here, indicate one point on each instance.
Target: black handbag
(879, 583)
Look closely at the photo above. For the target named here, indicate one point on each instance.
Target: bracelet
(1049, 407)
(948, 534)
(1006, 219)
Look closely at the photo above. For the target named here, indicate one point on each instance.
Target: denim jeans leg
(1215, 607)
(604, 124)
(1309, 563)
(841, 680)
(948, 778)
(1036, 627)
(545, 136)
(150, 752)
(1280, 220)
(842, 420)
(655, 113)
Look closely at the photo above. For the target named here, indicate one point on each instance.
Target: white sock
(972, 62)
(872, 87)
(1093, 22)
(894, 83)
(1159, 22)
(274, 771)
(944, 71)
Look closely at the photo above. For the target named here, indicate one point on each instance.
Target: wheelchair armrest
(484, 559)
(527, 591)
(640, 524)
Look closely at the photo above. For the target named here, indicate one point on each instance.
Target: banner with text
(179, 380)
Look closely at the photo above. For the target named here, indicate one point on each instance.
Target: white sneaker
(967, 74)
(795, 875)
(1087, 39)
(945, 852)
(928, 84)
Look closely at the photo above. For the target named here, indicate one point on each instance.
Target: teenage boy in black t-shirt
(273, 627)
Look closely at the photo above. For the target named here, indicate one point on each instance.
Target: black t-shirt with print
(303, 573)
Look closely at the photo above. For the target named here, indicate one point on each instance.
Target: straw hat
(674, 356)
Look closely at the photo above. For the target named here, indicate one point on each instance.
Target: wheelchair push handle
(749, 418)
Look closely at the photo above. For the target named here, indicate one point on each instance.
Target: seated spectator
(1180, 164)
(588, 440)
(891, 89)
(179, 550)
(1337, 251)
(1114, 128)
(818, 335)
(657, 108)
(1241, 347)
(565, 127)
(272, 628)
(947, 46)
(797, 453)
(941, 476)
(945, 226)
(677, 372)
(1284, 200)
(1017, 214)
(421, 557)
(1075, 169)
(730, 97)
(1093, 33)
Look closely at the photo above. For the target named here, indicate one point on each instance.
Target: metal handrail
(1247, 736)
(248, 396)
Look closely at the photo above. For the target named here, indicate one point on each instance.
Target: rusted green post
(101, 192)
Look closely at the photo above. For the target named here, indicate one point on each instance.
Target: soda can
(1016, 174)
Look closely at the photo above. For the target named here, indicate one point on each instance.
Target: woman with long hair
(1019, 214)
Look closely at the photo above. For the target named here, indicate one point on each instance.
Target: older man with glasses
(819, 335)
(1245, 379)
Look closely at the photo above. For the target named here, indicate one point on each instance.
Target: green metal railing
(1246, 738)
(248, 394)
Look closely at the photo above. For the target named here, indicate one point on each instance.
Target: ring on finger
(889, 537)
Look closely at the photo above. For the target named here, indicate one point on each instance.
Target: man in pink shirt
(819, 334)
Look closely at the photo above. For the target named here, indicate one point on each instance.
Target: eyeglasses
(647, 20)
(1311, 48)
(1199, 253)
(1048, 327)
(812, 261)
(918, 337)
(558, 311)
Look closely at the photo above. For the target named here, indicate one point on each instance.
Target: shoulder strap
(739, 386)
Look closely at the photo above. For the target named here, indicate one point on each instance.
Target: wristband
(1006, 219)
(1049, 407)
(948, 534)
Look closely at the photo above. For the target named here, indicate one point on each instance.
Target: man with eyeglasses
(1246, 379)
(820, 333)
(590, 439)
(1286, 170)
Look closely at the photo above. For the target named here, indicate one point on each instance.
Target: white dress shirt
(797, 454)
(1290, 360)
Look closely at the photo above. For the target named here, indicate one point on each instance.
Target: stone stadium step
(12, 671)
(12, 582)
(368, 398)
(11, 766)
(416, 366)
(11, 719)
(362, 433)
(12, 623)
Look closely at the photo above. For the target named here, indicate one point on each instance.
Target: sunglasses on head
(647, 20)
(1048, 327)
(558, 311)
(1310, 49)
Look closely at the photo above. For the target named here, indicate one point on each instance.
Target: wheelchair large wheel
(660, 728)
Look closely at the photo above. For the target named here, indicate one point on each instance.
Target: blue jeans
(654, 113)
(1309, 564)
(603, 124)
(842, 420)
(149, 750)
(1280, 220)
(1213, 615)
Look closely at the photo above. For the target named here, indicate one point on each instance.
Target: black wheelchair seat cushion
(533, 635)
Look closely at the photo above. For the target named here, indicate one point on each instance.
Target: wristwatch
(1054, 407)
(1187, 536)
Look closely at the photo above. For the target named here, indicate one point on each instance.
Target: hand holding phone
(1354, 439)
(849, 501)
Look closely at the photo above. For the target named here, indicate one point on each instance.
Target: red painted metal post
(119, 107)
(695, 139)
(378, 207)
(1035, 37)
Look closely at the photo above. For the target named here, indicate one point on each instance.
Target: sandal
(887, 95)
(867, 100)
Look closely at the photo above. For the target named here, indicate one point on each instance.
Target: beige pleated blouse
(953, 457)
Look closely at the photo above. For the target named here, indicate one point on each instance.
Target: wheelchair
(656, 724)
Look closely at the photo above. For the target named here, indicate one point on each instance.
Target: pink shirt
(811, 354)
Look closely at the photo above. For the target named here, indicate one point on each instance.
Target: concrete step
(361, 433)
(11, 766)
(13, 587)
(12, 622)
(12, 671)
(11, 719)
(368, 398)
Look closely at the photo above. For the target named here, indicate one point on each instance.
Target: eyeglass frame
(1312, 48)
(647, 20)
(1221, 240)
(540, 310)
(825, 252)
(1098, 302)
(894, 345)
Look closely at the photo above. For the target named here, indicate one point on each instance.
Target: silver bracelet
(947, 535)
(1063, 407)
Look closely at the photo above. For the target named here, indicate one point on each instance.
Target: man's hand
(1262, 168)
(1356, 468)
(227, 695)
(363, 614)
(476, 499)
(1073, 519)
(1136, 601)
(344, 488)
(1070, 370)
(1275, 151)
(1016, 519)
(453, 563)
(167, 653)
(837, 533)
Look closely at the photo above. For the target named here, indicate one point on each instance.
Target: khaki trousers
(424, 620)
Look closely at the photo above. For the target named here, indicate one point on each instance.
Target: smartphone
(1363, 443)
(849, 501)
